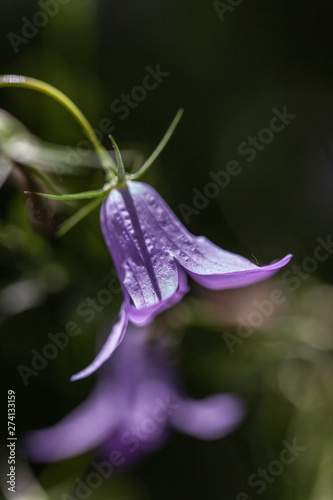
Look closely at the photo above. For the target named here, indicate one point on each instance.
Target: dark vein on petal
(137, 280)
(141, 240)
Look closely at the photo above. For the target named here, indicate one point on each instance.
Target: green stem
(45, 88)
(119, 160)
(160, 147)
(45, 179)
(98, 193)
(78, 216)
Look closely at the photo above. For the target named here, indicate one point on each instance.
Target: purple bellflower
(153, 253)
(135, 404)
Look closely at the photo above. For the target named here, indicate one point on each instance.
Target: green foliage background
(228, 76)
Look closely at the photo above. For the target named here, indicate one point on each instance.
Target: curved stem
(45, 88)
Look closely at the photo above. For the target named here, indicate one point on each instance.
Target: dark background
(228, 75)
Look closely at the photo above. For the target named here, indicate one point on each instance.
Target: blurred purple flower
(152, 252)
(133, 408)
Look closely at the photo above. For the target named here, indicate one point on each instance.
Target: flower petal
(144, 316)
(219, 269)
(112, 342)
(86, 427)
(136, 239)
(210, 418)
(151, 250)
